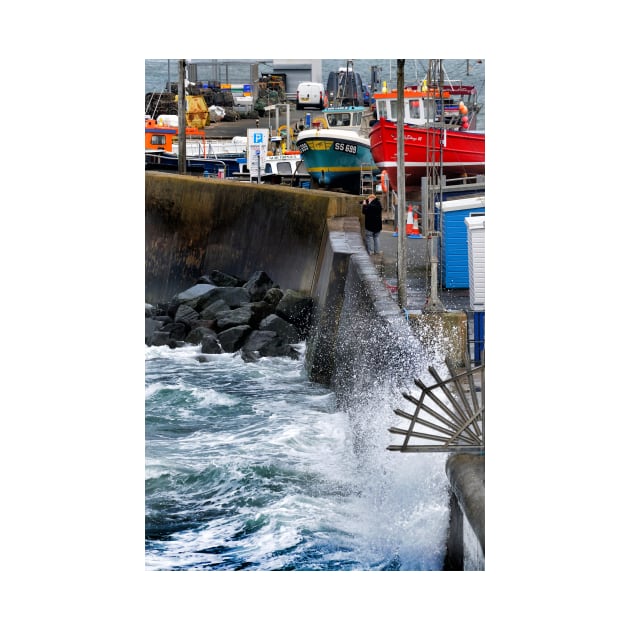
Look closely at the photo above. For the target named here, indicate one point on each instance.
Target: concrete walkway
(418, 272)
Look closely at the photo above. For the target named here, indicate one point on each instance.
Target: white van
(311, 94)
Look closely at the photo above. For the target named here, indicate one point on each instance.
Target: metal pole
(253, 79)
(427, 210)
(181, 112)
(400, 166)
(434, 304)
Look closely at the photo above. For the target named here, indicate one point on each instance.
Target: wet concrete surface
(418, 272)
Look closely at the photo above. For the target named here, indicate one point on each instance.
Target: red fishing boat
(438, 132)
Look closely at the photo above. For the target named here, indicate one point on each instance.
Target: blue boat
(221, 167)
(336, 150)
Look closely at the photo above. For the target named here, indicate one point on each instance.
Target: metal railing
(455, 419)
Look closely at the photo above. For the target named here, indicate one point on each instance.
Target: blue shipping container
(454, 250)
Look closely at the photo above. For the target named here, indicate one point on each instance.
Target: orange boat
(159, 137)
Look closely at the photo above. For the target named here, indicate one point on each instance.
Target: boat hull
(463, 153)
(336, 159)
(170, 161)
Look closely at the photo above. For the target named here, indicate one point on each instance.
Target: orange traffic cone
(412, 223)
(409, 220)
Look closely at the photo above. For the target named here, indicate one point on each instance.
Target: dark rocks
(221, 279)
(281, 327)
(186, 314)
(192, 297)
(273, 296)
(210, 344)
(213, 310)
(240, 316)
(198, 334)
(297, 310)
(258, 285)
(222, 313)
(159, 338)
(266, 343)
(232, 296)
(233, 339)
(151, 326)
(177, 330)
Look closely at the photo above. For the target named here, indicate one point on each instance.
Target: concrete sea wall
(310, 241)
(194, 224)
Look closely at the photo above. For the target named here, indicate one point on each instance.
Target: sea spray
(253, 467)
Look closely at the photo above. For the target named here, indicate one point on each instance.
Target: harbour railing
(450, 413)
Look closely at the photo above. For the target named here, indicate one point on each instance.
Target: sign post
(257, 141)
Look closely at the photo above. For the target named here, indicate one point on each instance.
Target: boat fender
(384, 179)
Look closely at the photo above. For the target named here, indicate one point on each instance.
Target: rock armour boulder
(222, 313)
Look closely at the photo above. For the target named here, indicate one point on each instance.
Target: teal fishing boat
(335, 152)
(336, 148)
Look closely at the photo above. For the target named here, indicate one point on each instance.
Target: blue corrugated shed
(454, 250)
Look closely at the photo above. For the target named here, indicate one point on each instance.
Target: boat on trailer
(336, 149)
(439, 131)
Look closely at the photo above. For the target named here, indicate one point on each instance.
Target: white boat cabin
(344, 116)
(420, 107)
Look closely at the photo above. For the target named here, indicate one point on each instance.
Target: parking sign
(257, 140)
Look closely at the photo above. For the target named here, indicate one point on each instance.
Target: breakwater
(309, 241)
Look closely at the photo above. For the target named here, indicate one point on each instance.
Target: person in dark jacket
(373, 211)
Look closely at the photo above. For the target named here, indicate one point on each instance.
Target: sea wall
(311, 241)
(467, 539)
(193, 225)
(362, 347)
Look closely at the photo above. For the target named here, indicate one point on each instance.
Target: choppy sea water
(250, 467)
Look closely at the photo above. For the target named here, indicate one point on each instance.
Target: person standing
(373, 211)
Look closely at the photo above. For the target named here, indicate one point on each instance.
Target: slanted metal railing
(453, 409)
